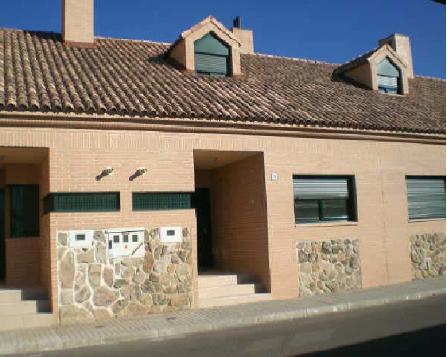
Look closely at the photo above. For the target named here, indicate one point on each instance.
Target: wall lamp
(141, 171)
(106, 172)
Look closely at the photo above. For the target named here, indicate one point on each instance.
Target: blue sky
(327, 30)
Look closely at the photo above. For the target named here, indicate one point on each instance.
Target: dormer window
(388, 77)
(210, 48)
(386, 69)
(212, 56)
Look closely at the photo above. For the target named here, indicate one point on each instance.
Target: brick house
(141, 177)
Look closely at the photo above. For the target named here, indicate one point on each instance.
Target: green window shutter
(426, 197)
(160, 201)
(210, 43)
(386, 68)
(388, 76)
(212, 56)
(82, 202)
(211, 64)
(24, 208)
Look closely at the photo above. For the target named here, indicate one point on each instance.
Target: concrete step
(14, 322)
(226, 290)
(18, 294)
(10, 295)
(23, 307)
(35, 293)
(207, 281)
(233, 300)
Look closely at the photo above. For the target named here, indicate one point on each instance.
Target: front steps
(227, 289)
(24, 308)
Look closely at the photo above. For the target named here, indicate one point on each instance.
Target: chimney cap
(237, 22)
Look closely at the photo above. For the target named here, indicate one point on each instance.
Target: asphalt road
(413, 327)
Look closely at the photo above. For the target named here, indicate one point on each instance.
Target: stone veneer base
(328, 266)
(92, 286)
(427, 255)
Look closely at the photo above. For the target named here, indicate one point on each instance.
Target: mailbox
(80, 239)
(171, 234)
(125, 242)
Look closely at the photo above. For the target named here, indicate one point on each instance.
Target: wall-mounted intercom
(171, 234)
(125, 242)
(80, 239)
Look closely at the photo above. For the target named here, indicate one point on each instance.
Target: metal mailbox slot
(126, 242)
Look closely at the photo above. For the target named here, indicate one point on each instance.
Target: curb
(190, 322)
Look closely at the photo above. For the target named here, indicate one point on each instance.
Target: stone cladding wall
(328, 266)
(427, 255)
(93, 286)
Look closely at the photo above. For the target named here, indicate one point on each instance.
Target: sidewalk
(156, 327)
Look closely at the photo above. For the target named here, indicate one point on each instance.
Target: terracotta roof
(126, 77)
(355, 61)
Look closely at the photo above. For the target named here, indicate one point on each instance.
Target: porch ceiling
(210, 160)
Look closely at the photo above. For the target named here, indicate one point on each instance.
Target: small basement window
(82, 202)
(212, 56)
(156, 201)
(388, 77)
(324, 199)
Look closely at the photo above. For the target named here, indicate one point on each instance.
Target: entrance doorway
(201, 203)
(23, 183)
(231, 212)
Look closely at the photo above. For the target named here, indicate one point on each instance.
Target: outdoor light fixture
(106, 172)
(141, 171)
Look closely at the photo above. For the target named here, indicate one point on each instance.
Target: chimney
(244, 36)
(78, 23)
(401, 44)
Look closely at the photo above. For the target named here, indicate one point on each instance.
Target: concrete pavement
(402, 329)
(178, 325)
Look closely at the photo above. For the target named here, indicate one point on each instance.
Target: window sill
(425, 220)
(327, 224)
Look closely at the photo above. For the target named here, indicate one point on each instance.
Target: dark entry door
(201, 203)
(2, 234)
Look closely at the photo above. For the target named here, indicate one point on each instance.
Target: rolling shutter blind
(386, 81)
(209, 63)
(426, 197)
(320, 188)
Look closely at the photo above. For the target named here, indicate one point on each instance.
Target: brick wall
(239, 218)
(78, 156)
